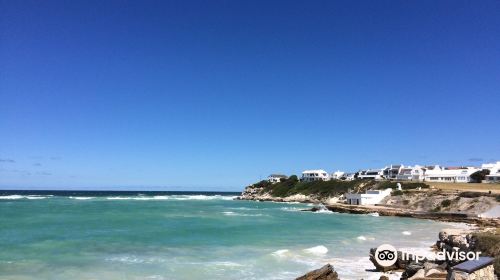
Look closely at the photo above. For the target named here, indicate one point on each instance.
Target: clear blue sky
(214, 95)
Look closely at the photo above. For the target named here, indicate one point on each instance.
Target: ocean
(185, 235)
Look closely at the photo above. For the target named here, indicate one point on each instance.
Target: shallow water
(188, 236)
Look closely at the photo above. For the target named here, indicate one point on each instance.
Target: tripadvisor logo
(386, 255)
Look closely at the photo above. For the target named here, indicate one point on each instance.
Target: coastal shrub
(293, 178)
(488, 244)
(445, 203)
(480, 175)
(472, 194)
(406, 202)
(317, 188)
(397, 193)
(436, 209)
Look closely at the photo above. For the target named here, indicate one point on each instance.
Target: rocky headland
(416, 200)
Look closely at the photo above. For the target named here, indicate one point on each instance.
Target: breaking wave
(81, 197)
(231, 213)
(16, 196)
(173, 197)
(317, 250)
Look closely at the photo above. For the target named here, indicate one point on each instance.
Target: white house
(276, 178)
(349, 176)
(411, 173)
(392, 171)
(491, 166)
(449, 174)
(337, 175)
(315, 175)
(376, 174)
(494, 176)
(369, 198)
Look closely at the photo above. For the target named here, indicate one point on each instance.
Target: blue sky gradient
(214, 95)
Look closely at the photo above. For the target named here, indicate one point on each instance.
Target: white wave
(229, 264)
(231, 213)
(136, 260)
(292, 209)
(36, 197)
(202, 197)
(156, 197)
(280, 253)
(81, 197)
(374, 214)
(324, 211)
(317, 250)
(406, 233)
(354, 268)
(364, 238)
(16, 196)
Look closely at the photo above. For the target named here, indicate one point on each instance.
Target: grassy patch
(489, 245)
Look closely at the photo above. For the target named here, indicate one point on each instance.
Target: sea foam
(317, 250)
(16, 196)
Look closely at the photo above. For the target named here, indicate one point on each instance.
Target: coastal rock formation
(450, 242)
(325, 273)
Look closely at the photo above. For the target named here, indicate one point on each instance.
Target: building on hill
(449, 174)
(376, 174)
(411, 173)
(491, 166)
(391, 172)
(371, 197)
(494, 176)
(315, 175)
(337, 175)
(276, 178)
(348, 177)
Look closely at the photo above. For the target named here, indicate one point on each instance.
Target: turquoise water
(188, 237)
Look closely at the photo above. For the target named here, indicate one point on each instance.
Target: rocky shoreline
(414, 267)
(335, 204)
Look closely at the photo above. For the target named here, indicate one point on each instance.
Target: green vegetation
(396, 193)
(488, 243)
(478, 176)
(293, 186)
(445, 203)
(436, 209)
(472, 194)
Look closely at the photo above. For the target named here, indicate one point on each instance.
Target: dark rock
(411, 269)
(325, 273)
(443, 236)
(383, 277)
(458, 241)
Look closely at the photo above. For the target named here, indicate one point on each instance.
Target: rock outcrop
(327, 272)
